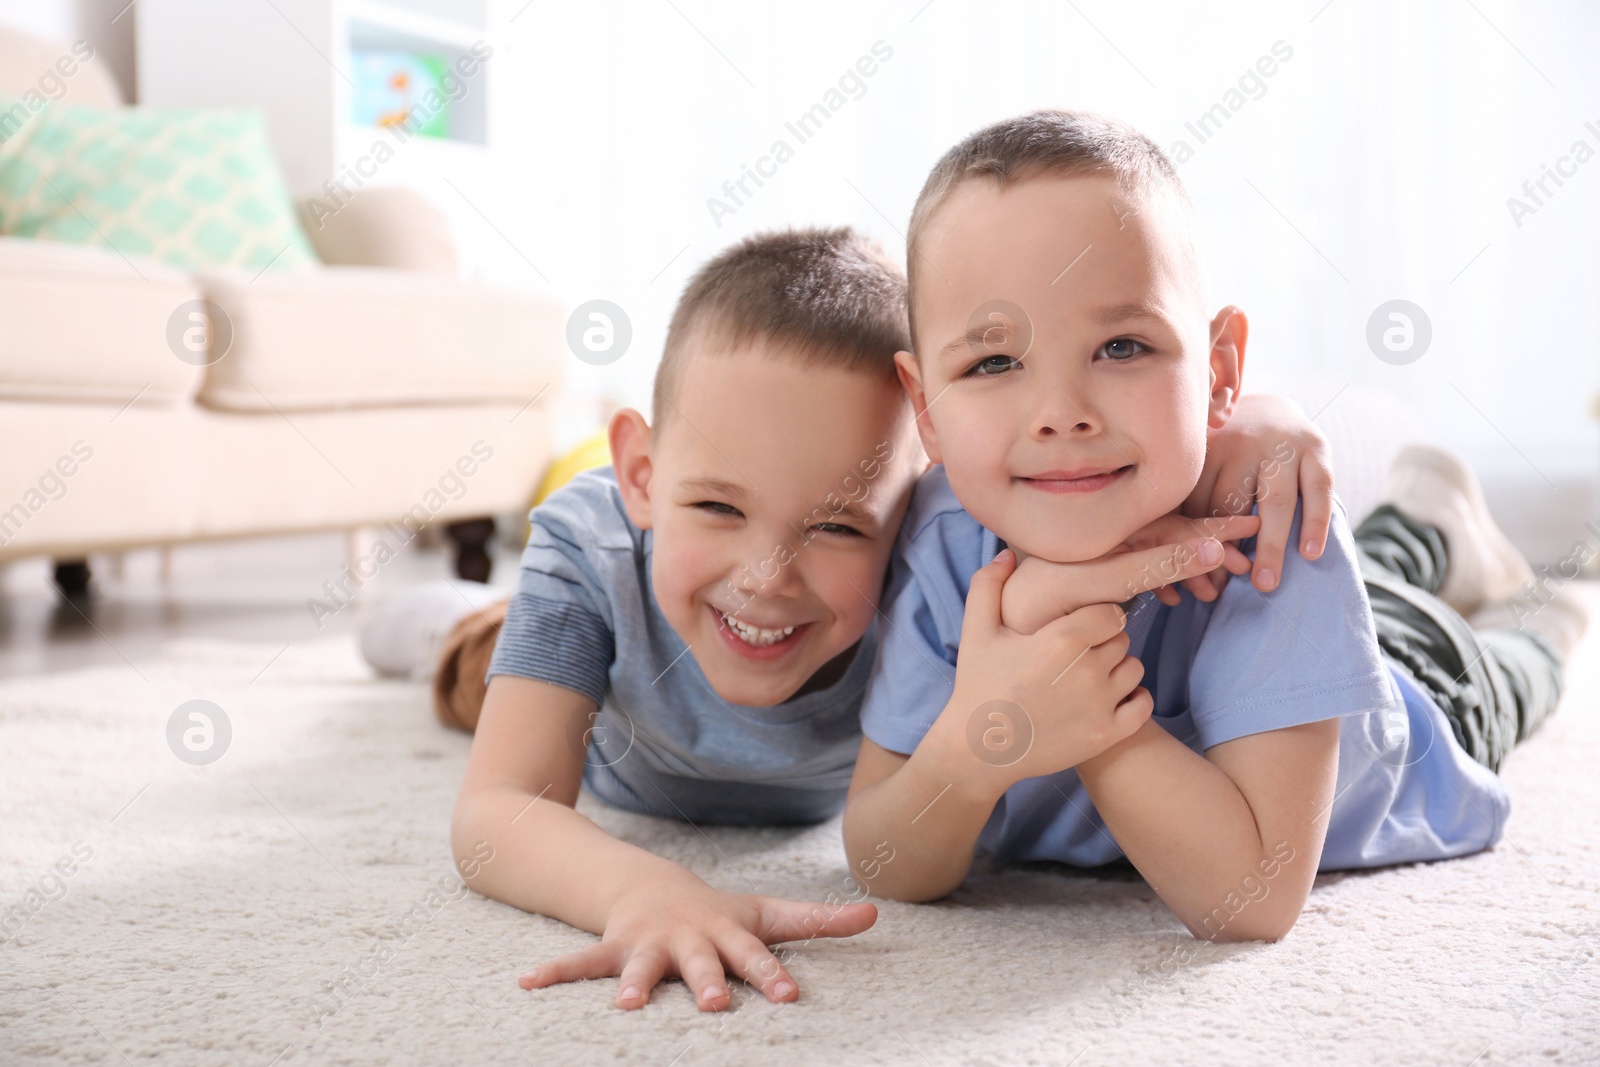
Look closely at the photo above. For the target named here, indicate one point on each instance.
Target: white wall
(1375, 164)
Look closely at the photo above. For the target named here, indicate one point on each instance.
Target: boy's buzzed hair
(1050, 141)
(825, 297)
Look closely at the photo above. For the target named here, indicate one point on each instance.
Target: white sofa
(376, 389)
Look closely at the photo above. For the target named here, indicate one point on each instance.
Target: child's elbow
(1243, 927)
(1260, 932)
(472, 852)
(465, 838)
(877, 879)
(911, 894)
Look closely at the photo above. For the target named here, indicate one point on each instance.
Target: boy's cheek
(858, 617)
(854, 611)
(675, 578)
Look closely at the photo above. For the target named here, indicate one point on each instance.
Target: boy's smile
(1063, 376)
(774, 492)
(1082, 480)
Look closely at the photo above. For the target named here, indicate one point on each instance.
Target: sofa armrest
(379, 227)
(88, 325)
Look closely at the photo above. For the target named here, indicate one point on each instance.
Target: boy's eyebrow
(1115, 313)
(1109, 315)
(972, 339)
(713, 486)
(852, 510)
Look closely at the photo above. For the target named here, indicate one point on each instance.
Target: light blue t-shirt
(584, 617)
(1247, 663)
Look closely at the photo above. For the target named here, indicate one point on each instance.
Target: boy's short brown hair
(1050, 141)
(826, 297)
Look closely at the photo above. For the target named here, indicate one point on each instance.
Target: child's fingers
(1089, 627)
(983, 597)
(647, 965)
(1208, 586)
(1133, 712)
(1316, 511)
(1126, 676)
(700, 965)
(1231, 527)
(1127, 574)
(596, 961)
(753, 961)
(790, 920)
(1221, 527)
(1276, 501)
(1233, 562)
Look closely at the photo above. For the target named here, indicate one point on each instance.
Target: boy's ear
(630, 458)
(905, 365)
(1229, 331)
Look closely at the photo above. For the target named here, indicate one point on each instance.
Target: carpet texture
(293, 902)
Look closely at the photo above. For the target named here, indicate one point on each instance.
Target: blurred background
(1402, 197)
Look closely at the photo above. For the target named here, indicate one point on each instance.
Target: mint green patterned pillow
(191, 188)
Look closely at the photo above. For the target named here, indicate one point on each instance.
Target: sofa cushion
(190, 188)
(364, 336)
(85, 324)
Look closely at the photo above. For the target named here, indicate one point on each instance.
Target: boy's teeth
(755, 635)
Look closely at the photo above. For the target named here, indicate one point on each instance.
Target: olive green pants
(1495, 686)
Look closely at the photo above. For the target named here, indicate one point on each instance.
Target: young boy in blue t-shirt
(1066, 375)
(693, 627)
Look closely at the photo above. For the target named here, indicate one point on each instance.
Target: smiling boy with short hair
(1083, 420)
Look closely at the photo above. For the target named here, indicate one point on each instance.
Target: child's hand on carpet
(685, 928)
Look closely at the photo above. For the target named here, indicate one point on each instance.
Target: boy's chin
(1066, 547)
(751, 692)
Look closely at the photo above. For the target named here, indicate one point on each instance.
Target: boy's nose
(1059, 413)
(768, 570)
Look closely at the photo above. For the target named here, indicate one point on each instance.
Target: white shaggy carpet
(220, 905)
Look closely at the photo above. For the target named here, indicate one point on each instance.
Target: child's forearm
(1189, 830)
(929, 812)
(548, 858)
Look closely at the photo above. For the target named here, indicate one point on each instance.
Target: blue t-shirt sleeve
(915, 671)
(558, 626)
(1302, 653)
(913, 675)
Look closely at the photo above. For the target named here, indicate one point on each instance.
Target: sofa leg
(72, 577)
(470, 538)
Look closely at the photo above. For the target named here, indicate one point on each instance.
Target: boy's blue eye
(838, 529)
(716, 507)
(1121, 349)
(993, 366)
